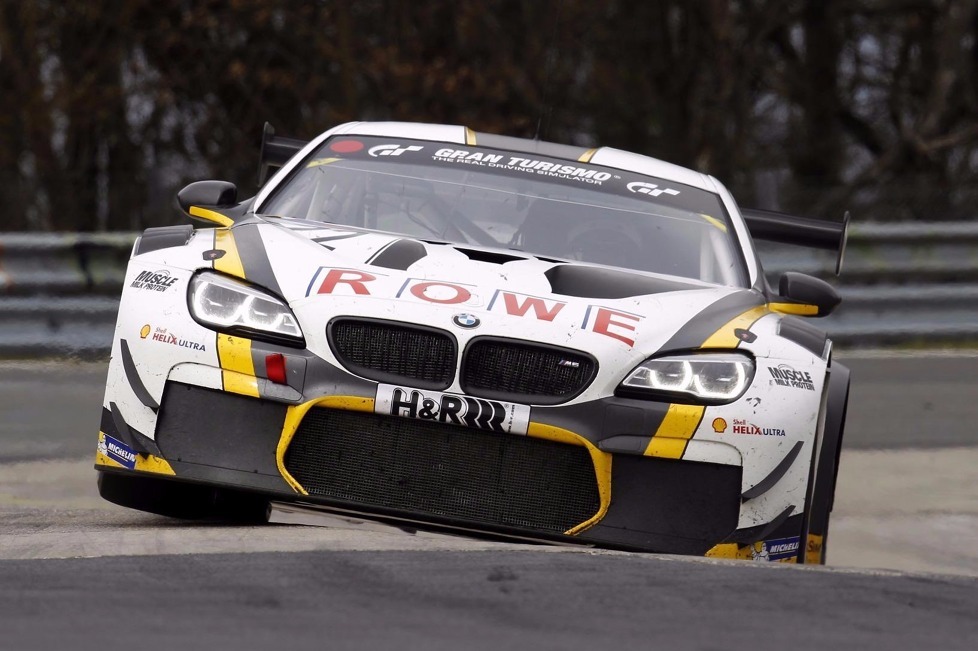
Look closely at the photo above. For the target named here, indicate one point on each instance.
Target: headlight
(235, 307)
(702, 379)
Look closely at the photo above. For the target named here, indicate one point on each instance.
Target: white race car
(423, 324)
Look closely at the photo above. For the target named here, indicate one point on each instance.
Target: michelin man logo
(759, 552)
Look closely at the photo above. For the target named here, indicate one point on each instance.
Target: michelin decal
(776, 550)
(117, 451)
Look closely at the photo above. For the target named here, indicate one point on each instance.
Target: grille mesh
(443, 470)
(388, 352)
(510, 370)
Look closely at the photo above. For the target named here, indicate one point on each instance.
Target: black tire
(178, 499)
(821, 495)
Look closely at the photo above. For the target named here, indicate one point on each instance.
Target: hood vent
(597, 282)
(399, 254)
(491, 257)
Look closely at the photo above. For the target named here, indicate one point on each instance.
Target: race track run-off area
(77, 572)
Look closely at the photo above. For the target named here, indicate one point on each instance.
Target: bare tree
(110, 105)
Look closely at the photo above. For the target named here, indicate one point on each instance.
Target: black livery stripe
(132, 375)
(116, 426)
(704, 325)
(774, 476)
(254, 258)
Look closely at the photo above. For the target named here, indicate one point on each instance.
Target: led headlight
(235, 307)
(703, 378)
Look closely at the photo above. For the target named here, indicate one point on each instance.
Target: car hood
(328, 271)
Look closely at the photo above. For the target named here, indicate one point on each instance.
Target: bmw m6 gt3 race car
(426, 325)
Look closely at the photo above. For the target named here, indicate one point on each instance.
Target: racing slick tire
(178, 499)
(821, 496)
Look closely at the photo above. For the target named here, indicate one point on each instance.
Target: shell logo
(719, 425)
(144, 331)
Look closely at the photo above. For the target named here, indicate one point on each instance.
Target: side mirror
(199, 200)
(807, 296)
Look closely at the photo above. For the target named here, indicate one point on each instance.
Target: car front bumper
(552, 483)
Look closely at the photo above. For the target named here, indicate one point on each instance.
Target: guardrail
(59, 292)
(902, 284)
(910, 284)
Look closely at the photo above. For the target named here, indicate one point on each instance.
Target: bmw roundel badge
(466, 320)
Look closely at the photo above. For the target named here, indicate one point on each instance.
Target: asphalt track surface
(79, 573)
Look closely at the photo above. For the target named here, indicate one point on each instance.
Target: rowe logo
(448, 408)
(392, 150)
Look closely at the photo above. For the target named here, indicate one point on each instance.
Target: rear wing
(789, 229)
(275, 152)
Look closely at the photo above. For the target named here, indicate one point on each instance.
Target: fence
(903, 284)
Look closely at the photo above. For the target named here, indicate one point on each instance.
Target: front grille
(395, 353)
(505, 369)
(453, 472)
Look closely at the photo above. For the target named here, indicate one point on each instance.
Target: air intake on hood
(597, 282)
(399, 254)
(489, 256)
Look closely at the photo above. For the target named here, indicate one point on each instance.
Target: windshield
(540, 205)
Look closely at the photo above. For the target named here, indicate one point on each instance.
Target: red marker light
(275, 367)
(346, 146)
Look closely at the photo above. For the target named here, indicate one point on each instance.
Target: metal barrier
(902, 284)
(59, 292)
(912, 284)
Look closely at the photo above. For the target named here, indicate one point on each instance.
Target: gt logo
(490, 415)
(649, 188)
(392, 150)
